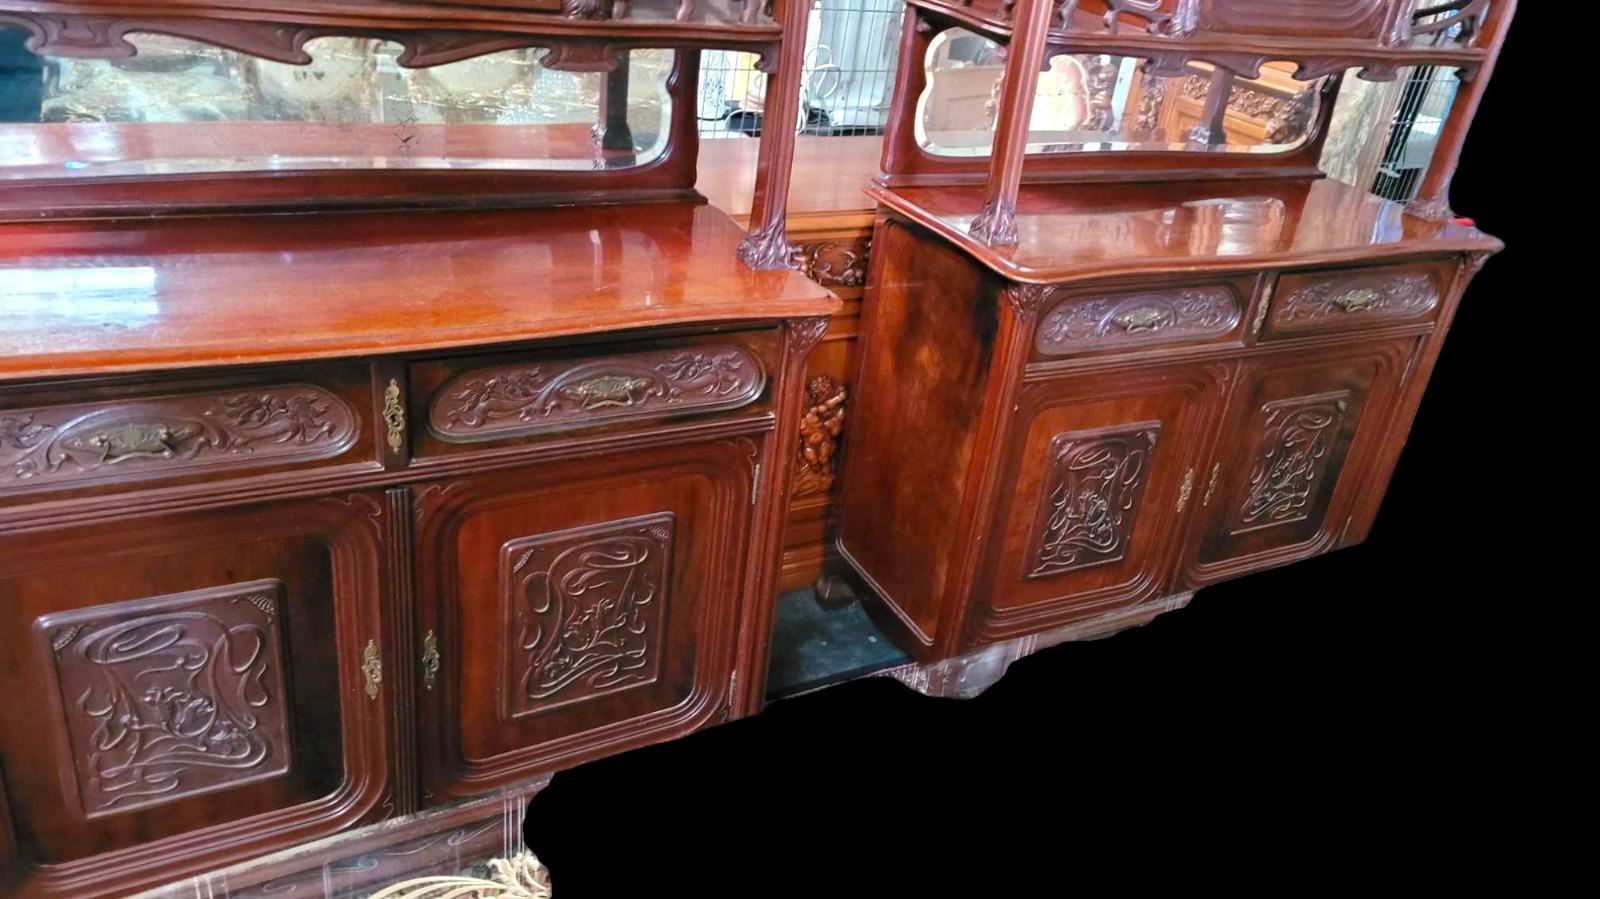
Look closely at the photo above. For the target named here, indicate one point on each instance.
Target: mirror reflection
(1100, 102)
(179, 106)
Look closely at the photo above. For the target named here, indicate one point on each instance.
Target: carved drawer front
(1303, 429)
(1096, 481)
(538, 395)
(1312, 302)
(578, 608)
(176, 433)
(1077, 322)
(185, 691)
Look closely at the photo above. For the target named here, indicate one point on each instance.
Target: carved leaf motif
(584, 610)
(172, 696)
(88, 440)
(517, 400)
(1075, 324)
(1294, 450)
(1401, 293)
(1091, 495)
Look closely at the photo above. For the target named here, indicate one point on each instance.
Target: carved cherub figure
(819, 433)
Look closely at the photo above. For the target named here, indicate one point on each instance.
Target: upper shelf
(1068, 232)
(435, 31)
(102, 297)
(1324, 36)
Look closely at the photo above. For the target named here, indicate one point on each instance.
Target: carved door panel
(183, 691)
(1090, 502)
(1302, 431)
(577, 608)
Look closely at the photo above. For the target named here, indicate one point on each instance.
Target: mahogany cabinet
(252, 600)
(1091, 446)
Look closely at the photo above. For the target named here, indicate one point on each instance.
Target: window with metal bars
(1424, 103)
(851, 47)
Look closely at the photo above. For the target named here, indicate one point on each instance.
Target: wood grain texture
(216, 291)
(1099, 230)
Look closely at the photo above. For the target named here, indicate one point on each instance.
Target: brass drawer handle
(371, 668)
(1211, 486)
(394, 415)
(1145, 318)
(430, 660)
(1357, 300)
(1185, 490)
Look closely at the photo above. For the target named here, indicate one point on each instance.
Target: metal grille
(851, 47)
(1424, 104)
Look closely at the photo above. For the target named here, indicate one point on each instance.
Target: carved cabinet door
(1091, 498)
(182, 691)
(1302, 430)
(575, 609)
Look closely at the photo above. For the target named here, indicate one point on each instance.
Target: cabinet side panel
(930, 322)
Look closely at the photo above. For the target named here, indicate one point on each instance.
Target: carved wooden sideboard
(410, 462)
(1090, 383)
(262, 584)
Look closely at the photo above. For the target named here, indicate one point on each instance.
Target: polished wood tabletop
(830, 174)
(108, 296)
(1085, 230)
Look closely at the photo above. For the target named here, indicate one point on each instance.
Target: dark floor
(813, 646)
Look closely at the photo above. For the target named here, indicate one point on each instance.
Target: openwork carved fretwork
(1092, 487)
(173, 696)
(1397, 294)
(819, 435)
(585, 612)
(1293, 451)
(517, 400)
(1156, 21)
(88, 441)
(1077, 324)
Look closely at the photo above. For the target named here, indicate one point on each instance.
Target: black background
(1337, 718)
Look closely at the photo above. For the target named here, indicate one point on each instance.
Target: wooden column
(996, 223)
(612, 131)
(1433, 197)
(1210, 130)
(766, 246)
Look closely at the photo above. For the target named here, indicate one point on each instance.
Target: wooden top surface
(1077, 231)
(830, 175)
(111, 296)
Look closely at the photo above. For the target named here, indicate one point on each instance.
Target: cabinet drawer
(1083, 321)
(1321, 301)
(534, 395)
(86, 437)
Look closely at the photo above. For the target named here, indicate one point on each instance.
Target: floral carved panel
(531, 398)
(1310, 301)
(173, 434)
(1294, 449)
(585, 612)
(1133, 319)
(1092, 486)
(173, 696)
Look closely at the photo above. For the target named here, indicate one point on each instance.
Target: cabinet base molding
(967, 675)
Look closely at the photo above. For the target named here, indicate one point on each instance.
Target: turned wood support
(766, 246)
(1433, 197)
(612, 132)
(996, 222)
(1210, 130)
